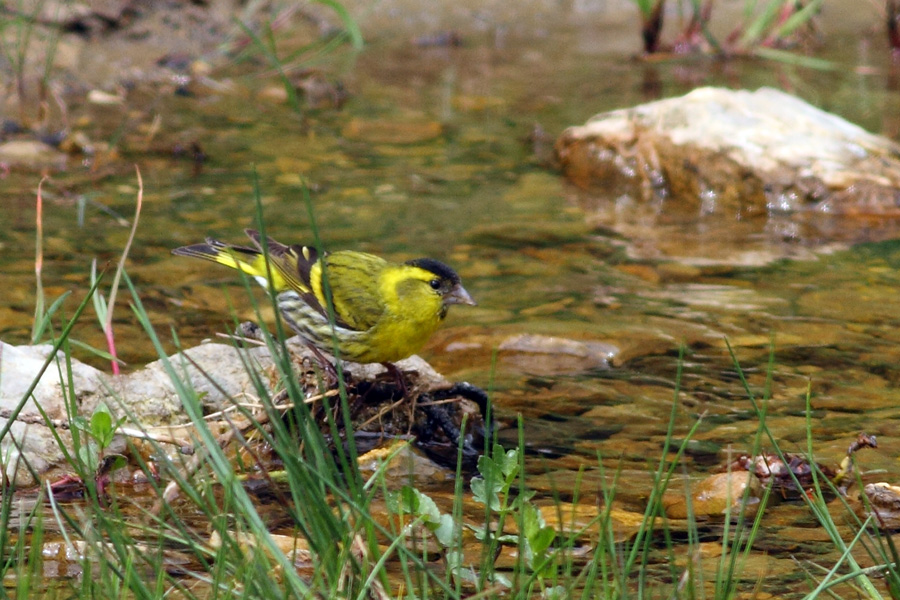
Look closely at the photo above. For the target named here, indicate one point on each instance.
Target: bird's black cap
(436, 267)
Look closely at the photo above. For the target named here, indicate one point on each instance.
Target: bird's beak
(459, 295)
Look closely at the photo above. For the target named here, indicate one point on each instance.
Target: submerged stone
(718, 494)
(31, 154)
(548, 355)
(392, 132)
(884, 502)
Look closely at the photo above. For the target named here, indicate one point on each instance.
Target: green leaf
(96, 351)
(500, 469)
(44, 322)
(488, 468)
(799, 18)
(508, 461)
(100, 305)
(484, 495)
(87, 454)
(538, 537)
(480, 533)
(467, 575)
(412, 501)
(758, 27)
(532, 520)
(421, 505)
(81, 423)
(524, 496)
(541, 541)
(102, 428)
(792, 58)
(404, 501)
(646, 6)
(454, 560)
(446, 532)
(556, 592)
(350, 24)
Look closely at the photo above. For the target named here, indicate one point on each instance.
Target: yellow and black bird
(383, 311)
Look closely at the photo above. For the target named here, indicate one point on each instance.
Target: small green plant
(765, 30)
(100, 430)
(493, 489)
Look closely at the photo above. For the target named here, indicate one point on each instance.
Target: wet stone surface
(742, 152)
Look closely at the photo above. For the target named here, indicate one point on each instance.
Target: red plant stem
(38, 261)
(893, 16)
(107, 327)
(39, 223)
(111, 344)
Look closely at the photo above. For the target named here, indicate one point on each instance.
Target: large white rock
(737, 151)
(218, 374)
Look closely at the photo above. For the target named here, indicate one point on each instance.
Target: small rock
(319, 92)
(884, 500)
(274, 93)
(30, 154)
(714, 496)
(645, 272)
(439, 39)
(19, 367)
(548, 355)
(405, 466)
(392, 132)
(104, 98)
(872, 303)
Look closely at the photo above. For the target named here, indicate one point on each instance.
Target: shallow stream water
(587, 301)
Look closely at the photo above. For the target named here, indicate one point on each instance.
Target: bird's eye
(435, 284)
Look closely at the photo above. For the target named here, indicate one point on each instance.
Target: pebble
(31, 154)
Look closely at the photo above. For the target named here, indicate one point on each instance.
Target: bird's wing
(292, 262)
(354, 281)
(295, 265)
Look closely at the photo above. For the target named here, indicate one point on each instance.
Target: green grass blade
(798, 19)
(792, 58)
(349, 22)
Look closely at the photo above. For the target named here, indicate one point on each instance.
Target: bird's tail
(249, 260)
